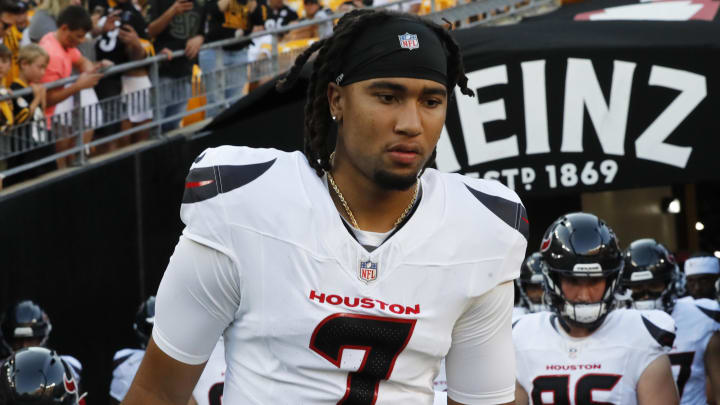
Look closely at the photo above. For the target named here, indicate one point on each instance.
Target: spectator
(315, 11)
(278, 14)
(33, 61)
(73, 24)
(228, 19)
(29, 112)
(122, 28)
(6, 118)
(45, 17)
(10, 12)
(174, 26)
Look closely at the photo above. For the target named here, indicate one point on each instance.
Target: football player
(26, 324)
(651, 274)
(585, 351)
(127, 361)
(346, 276)
(38, 376)
(530, 287)
(701, 272)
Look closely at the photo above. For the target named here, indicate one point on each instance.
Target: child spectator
(30, 135)
(33, 61)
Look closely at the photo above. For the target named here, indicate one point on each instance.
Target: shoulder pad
(660, 325)
(223, 169)
(709, 308)
(120, 358)
(501, 201)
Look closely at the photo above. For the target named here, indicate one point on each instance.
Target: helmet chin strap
(584, 313)
(538, 307)
(648, 304)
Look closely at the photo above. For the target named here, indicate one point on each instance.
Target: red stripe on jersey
(193, 184)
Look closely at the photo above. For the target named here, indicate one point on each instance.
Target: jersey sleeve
(480, 365)
(197, 299)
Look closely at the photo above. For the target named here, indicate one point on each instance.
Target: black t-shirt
(109, 46)
(22, 114)
(222, 25)
(181, 28)
(275, 18)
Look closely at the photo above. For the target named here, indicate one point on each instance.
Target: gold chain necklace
(348, 211)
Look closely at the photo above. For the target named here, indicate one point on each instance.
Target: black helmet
(25, 320)
(648, 261)
(144, 320)
(580, 245)
(38, 376)
(531, 274)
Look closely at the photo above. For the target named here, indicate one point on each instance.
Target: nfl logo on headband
(409, 41)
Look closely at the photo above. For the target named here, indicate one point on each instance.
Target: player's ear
(335, 100)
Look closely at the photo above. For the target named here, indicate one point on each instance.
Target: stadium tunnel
(573, 115)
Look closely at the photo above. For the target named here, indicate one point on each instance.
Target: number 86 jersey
(603, 368)
(311, 316)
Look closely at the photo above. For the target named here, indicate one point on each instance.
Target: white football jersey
(75, 366)
(696, 321)
(519, 312)
(209, 388)
(604, 367)
(312, 317)
(125, 365)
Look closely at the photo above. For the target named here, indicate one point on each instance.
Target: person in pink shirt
(73, 24)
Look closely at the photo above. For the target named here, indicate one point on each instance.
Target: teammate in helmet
(701, 271)
(38, 376)
(126, 361)
(26, 324)
(651, 274)
(530, 286)
(585, 351)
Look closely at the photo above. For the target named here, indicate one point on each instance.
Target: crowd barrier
(219, 88)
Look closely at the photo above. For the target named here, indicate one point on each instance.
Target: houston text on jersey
(561, 367)
(365, 302)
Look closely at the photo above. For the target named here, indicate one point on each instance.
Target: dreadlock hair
(328, 64)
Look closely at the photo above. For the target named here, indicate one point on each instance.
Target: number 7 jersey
(310, 316)
(603, 368)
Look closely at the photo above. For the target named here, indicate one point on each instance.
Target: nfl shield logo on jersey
(368, 271)
(409, 41)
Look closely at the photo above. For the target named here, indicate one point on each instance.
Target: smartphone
(126, 17)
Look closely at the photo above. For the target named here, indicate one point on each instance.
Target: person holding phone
(122, 28)
(176, 25)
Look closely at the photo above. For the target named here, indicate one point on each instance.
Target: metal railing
(224, 90)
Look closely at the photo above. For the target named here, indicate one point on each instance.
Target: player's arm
(521, 396)
(712, 367)
(196, 301)
(481, 362)
(162, 380)
(656, 385)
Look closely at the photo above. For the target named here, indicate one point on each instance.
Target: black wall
(89, 246)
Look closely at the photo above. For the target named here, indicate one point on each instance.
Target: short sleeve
(480, 365)
(197, 299)
(75, 55)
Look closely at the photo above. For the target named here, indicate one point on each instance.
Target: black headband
(402, 47)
